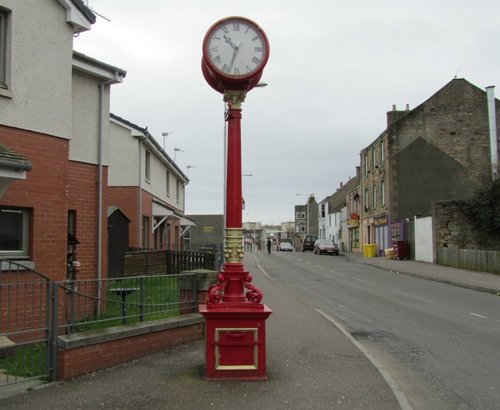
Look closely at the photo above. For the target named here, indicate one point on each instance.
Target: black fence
(165, 262)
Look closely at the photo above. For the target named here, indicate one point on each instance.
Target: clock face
(236, 48)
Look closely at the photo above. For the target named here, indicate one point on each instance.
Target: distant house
(438, 151)
(207, 234)
(338, 214)
(306, 220)
(147, 186)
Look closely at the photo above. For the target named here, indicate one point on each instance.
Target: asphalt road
(439, 342)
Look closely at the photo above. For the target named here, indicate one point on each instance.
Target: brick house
(438, 151)
(147, 186)
(55, 108)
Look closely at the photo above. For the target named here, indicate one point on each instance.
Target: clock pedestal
(235, 333)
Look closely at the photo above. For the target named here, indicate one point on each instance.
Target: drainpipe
(117, 78)
(141, 140)
(490, 95)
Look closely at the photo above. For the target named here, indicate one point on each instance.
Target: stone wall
(452, 228)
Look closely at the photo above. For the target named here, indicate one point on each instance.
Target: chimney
(394, 115)
(490, 96)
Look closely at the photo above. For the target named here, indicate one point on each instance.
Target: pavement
(480, 281)
(312, 362)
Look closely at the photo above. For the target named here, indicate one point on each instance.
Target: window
(3, 48)
(147, 164)
(168, 183)
(302, 228)
(382, 153)
(302, 215)
(367, 200)
(14, 235)
(177, 191)
(382, 193)
(374, 158)
(297, 215)
(322, 210)
(374, 196)
(366, 165)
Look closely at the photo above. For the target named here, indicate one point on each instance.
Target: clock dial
(236, 48)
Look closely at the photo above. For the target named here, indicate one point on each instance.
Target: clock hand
(228, 40)
(234, 57)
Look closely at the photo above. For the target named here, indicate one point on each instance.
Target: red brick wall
(100, 356)
(83, 196)
(125, 198)
(45, 192)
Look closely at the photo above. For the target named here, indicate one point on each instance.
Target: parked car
(286, 247)
(308, 242)
(326, 246)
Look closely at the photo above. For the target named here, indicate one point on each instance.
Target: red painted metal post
(233, 188)
(234, 320)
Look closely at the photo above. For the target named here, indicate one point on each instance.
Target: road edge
(393, 385)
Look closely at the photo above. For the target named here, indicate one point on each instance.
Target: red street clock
(235, 52)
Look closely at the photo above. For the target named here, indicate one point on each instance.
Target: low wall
(88, 351)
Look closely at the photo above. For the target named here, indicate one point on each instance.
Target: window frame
(23, 251)
(382, 192)
(147, 166)
(4, 21)
(168, 182)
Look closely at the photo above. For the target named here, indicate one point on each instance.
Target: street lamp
(176, 150)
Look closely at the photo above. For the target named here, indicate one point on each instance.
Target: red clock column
(235, 330)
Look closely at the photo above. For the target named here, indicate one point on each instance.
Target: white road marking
(338, 273)
(412, 296)
(481, 316)
(398, 393)
(364, 281)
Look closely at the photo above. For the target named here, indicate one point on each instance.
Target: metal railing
(26, 337)
(125, 300)
(34, 311)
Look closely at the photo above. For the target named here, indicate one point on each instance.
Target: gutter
(117, 78)
(15, 165)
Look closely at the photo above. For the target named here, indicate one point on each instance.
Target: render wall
(424, 249)
(39, 94)
(85, 121)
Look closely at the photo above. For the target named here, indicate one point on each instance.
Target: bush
(483, 210)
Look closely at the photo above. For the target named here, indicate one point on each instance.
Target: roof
(397, 121)
(85, 10)
(153, 142)
(12, 160)
(90, 65)
(337, 200)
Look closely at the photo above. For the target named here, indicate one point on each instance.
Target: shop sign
(352, 223)
(380, 220)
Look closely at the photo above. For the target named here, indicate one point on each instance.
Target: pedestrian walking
(269, 246)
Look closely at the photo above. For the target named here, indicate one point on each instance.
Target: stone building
(438, 151)
(306, 220)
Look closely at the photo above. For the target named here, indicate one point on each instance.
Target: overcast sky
(335, 68)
